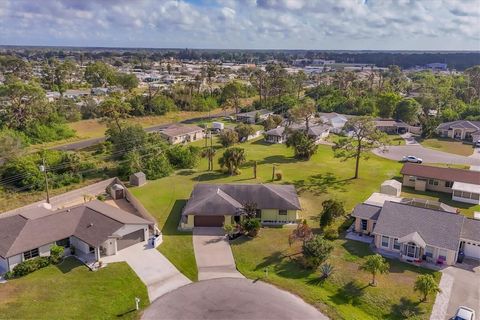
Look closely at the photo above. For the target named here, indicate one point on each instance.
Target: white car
(412, 159)
(464, 313)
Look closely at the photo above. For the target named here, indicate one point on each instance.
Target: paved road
(91, 142)
(213, 254)
(459, 288)
(159, 275)
(234, 299)
(428, 155)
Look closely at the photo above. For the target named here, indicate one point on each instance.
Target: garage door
(209, 221)
(130, 239)
(472, 250)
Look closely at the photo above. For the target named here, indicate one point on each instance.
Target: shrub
(56, 253)
(326, 269)
(101, 197)
(183, 157)
(330, 234)
(30, 266)
(244, 130)
(251, 226)
(316, 251)
(228, 138)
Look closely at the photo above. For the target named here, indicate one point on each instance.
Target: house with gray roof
(215, 205)
(419, 234)
(94, 229)
(254, 116)
(460, 129)
(179, 133)
(317, 132)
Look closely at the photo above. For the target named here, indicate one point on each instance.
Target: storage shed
(391, 187)
(117, 191)
(138, 179)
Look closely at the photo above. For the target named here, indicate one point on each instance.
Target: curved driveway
(428, 155)
(233, 299)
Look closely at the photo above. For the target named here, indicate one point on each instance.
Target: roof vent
(90, 225)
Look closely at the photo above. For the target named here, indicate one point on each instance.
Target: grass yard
(466, 209)
(70, 291)
(392, 139)
(448, 145)
(346, 294)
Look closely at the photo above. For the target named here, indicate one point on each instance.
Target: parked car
(464, 313)
(477, 144)
(412, 159)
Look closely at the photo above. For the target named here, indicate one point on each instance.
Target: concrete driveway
(213, 254)
(159, 275)
(428, 155)
(234, 299)
(459, 288)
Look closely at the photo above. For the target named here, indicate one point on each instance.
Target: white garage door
(472, 250)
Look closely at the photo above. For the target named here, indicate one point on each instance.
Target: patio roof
(413, 237)
(467, 187)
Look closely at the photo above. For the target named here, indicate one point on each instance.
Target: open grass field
(346, 294)
(448, 145)
(71, 291)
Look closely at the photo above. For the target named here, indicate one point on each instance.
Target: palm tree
(209, 153)
(375, 264)
(426, 284)
(232, 159)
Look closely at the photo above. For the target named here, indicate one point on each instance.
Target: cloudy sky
(255, 24)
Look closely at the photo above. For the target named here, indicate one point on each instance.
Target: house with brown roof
(391, 126)
(216, 205)
(179, 133)
(464, 185)
(417, 234)
(94, 229)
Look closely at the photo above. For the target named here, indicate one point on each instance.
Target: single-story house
(317, 132)
(95, 229)
(419, 234)
(460, 129)
(464, 185)
(254, 116)
(335, 120)
(182, 133)
(391, 126)
(215, 205)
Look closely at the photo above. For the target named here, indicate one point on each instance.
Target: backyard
(71, 290)
(323, 177)
(447, 145)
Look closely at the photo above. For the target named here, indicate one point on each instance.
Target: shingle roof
(366, 211)
(447, 174)
(177, 130)
(465, 124)
(471, 230)
(253, 113)
(92, 222)
(228, 199)
(438, 228)
(278, 131)
(390, 123)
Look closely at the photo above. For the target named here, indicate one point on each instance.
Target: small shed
(117, 191)
(138, 179)
(391, 187)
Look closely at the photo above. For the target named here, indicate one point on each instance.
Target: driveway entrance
(213, 254)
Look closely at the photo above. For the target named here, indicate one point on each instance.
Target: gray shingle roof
(178, 130)
(471, 230)
(466, 124)
(366, 211)
(228, 199)
(438, 228)
(92, 222)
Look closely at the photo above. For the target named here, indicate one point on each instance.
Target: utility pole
(43, 168)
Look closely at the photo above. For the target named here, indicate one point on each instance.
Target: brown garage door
(130, 239)
(209, 221)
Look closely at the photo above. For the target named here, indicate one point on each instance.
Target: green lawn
(70, 291)
(448, 145)
(346, 294)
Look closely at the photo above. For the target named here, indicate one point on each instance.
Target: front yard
(447, 145)
(70, 290)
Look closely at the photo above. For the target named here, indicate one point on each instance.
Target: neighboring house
(76, 94)
(215, 205)
(464, 185)
(335, 120)
(419, 234)
(460, 129)
(254, 116)
(391, 126)
(95, 229)
(280, 134)
(182, 133)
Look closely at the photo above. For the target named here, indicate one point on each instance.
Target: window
(429, 251)
(64, 243)
(442, 254)
(385, 241)
(411, 178)
(258, 213)
(475, 196)
(457, 193)
(282, 212)
(396, 245)
(30, 254)
(448, 184)
(433, 182)
(91, 249)
(364, 224)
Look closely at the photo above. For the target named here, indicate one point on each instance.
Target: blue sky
(252, 24)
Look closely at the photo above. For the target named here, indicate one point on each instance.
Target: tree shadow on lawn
(68, 264)
(321, 183)
(405, 309)
(350, 293)
(211, 175)
(171, 224)
(358, 249)
(186, 172)
(278, 159)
